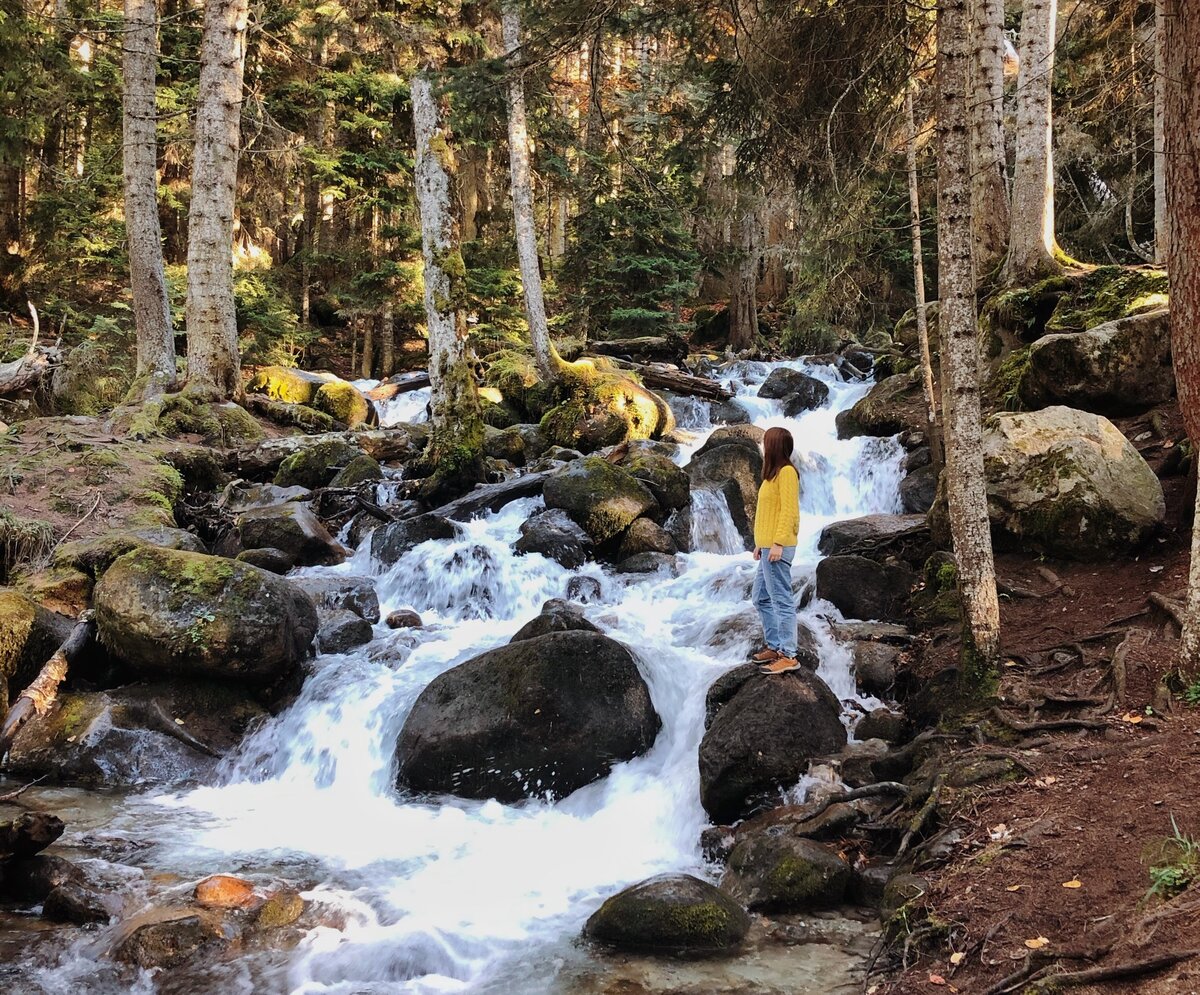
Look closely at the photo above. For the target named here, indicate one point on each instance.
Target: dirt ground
(1052, 869)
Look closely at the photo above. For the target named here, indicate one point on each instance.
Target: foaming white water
(446, 895)
(407, 407)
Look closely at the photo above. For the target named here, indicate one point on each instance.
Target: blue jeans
(774, 601)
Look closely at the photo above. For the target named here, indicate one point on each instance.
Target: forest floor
(1052, 868)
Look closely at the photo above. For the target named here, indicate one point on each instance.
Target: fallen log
(646, 348)
(492, 497)
(28, 371)
(264, 458)
(28, 834)
(661, 376)
(39, 696)
(402, 384)
(285, 413)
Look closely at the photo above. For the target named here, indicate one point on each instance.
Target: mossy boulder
(1118, 367)
(605, 408)
(604, 500)
(645, 536)
(554, 534)
(1069, 483)
(29, 634)
(506, 444)
(1109, 293)
(64, 590)
(283, 383)
(774, 870)
(514, 377)
(672, 914)
(892, 406)
(94, 556)
(666, 480)
(360, 470)
(170, 612)
(537, 718)
(392, 541)
(343, 402)
(317, 465)
(293, 528)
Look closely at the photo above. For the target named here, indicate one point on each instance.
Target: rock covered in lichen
(776, 870)
(604, 500)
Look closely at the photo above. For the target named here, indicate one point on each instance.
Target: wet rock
(1115, 368)
(94, 556)
(645, 536)
(169, 612)
(224, 891)
(504, 444)
(733, 469)
(899, 891)
(78, 904)
(404, 618)
(809, 397)
(648, 563)
(747, 436)
(143, 734)
(554, 534)
(918, 490)
(240, 496)
(28, 834)
(1069, 483)
(274, 561)
(341, 630)
(872, 535)
(679, 528)
(281, 909)
(27, 882)
(539, 717)
(168, 938)
(601, 498)
(584, 590)
(355, 594)
(665, 480)
(360, 470)
(878, 632)
(674, 914)
(884, 724)
(762, 733)
(917, 458)
(892, 406)
(316, 465)
(778, 871)
(782, 382)
(392, 541)
(861, 762)
(29, 634)
(728, 413)
(556, 616)
(875, 667)
(863, 589)
(294, 529)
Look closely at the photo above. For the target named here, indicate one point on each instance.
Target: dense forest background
(729, 170)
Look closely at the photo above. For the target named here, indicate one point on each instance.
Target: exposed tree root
(1045, 725)
(1117, 972)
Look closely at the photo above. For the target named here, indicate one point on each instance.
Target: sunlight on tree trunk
(1161, 223)
(743, 306)
(989, 194)
(965, 481)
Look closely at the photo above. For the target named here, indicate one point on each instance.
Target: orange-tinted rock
(223, 891)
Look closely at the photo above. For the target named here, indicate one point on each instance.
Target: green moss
(361, 469)
(22, 541)
(795, 881)
(17, 614)
(1108, 293)
(285, 384)
(60, 589)
(279, 910)
(1003, 388)
(317, 465)
(343, 402)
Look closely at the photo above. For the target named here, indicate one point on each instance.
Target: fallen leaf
(179, 722)
(1013, 887)
(999, 832)
(957, 958)
(1131, 718)
(936, 979)
(1037, 943)
(1073, 883)
(1045, 782)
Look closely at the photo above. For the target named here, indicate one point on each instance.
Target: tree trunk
(1161, 222)
(989, 195)
(368, 348)
(1032, 247)
(455, 454)
(914, 204)
(387, 341)
(151, 305)
(743, 307)
(965, 480)
(214, 364)
(1181, 112)
(549, 363)
(468, 196)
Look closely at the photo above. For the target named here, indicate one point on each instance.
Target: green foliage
(1174, 863)
(267, 320)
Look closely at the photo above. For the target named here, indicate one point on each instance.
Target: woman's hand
(757, 554)
(775, 554)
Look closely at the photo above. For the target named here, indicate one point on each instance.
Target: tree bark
(965, 480)
(1161, 222)
(743, 307)
(1181, 112)
(151, 304)
(455, 454)
(914, 205)
(214, 364)
(387, 344)
(1032, 247)
(989, 194)
(549, 362)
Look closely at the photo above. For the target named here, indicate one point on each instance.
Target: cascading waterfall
(451, 895)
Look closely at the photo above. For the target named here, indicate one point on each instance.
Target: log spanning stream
(459, 896)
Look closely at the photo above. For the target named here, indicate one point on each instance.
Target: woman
(776, 522)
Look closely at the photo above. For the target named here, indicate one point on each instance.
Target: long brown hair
(777, 452)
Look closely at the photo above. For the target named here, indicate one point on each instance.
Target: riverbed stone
(762, 733)
(1069, 483)
(404, 618)
(341, 630)
(535, 718)
(872, 535)
(661, 475)
(733, 469)
(293, 528)
(864, 589)
(557, 615)
(893, 406)
(645, 536)
(554, 534)
(274, 561)
(362, 469)
(672, 914)
(27, 882)
(883, 724)
(316, 465)
(918, 489)
(604, 500)
(392, 541)
(355, 594)
(75, 903)
(875, 667)
(170, 612)
(778, 871)
(94, 556)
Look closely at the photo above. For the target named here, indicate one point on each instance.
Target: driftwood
(492, 497)
(663, 376)
(39, 696)
(396, 386)
(647, 348)
(29, 370)
(381, 443)
(28, 834)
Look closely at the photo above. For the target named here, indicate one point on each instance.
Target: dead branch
(12, 796)
(401, 385)
(1116, 972)
(922, 817)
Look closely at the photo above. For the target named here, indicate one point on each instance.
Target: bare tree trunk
(914, 204)
(468, 196)
(455, 454)
(151, 305)
(965, 482)
(548, 361)
(743, 307)
(387, 344)
(1161, 222)
(368, 348)
(1181, 112)
(1032, 247)
(989, 195)
(213, 360)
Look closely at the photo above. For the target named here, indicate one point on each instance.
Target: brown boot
(780, 665)
(766, 656)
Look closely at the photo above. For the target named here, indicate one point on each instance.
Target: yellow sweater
(777, 519)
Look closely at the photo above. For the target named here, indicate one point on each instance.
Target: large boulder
(864, 589)
(95, 555)
(762, 736)
(338, 398)
(783, 382)
(392, 541)
(1068, 482)
(1118, 367)
(918, 489)
(733, 468)
(894, 405)
(293, 529)
(535, 718)
(169, 612)
(646, 536)
(673, 914)
(556, 615)
(316, 465)
(665, 480)
(604, 500)
(554, 534)
(355, 594)
(871, 535)
(29, 634)
(778, 871)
